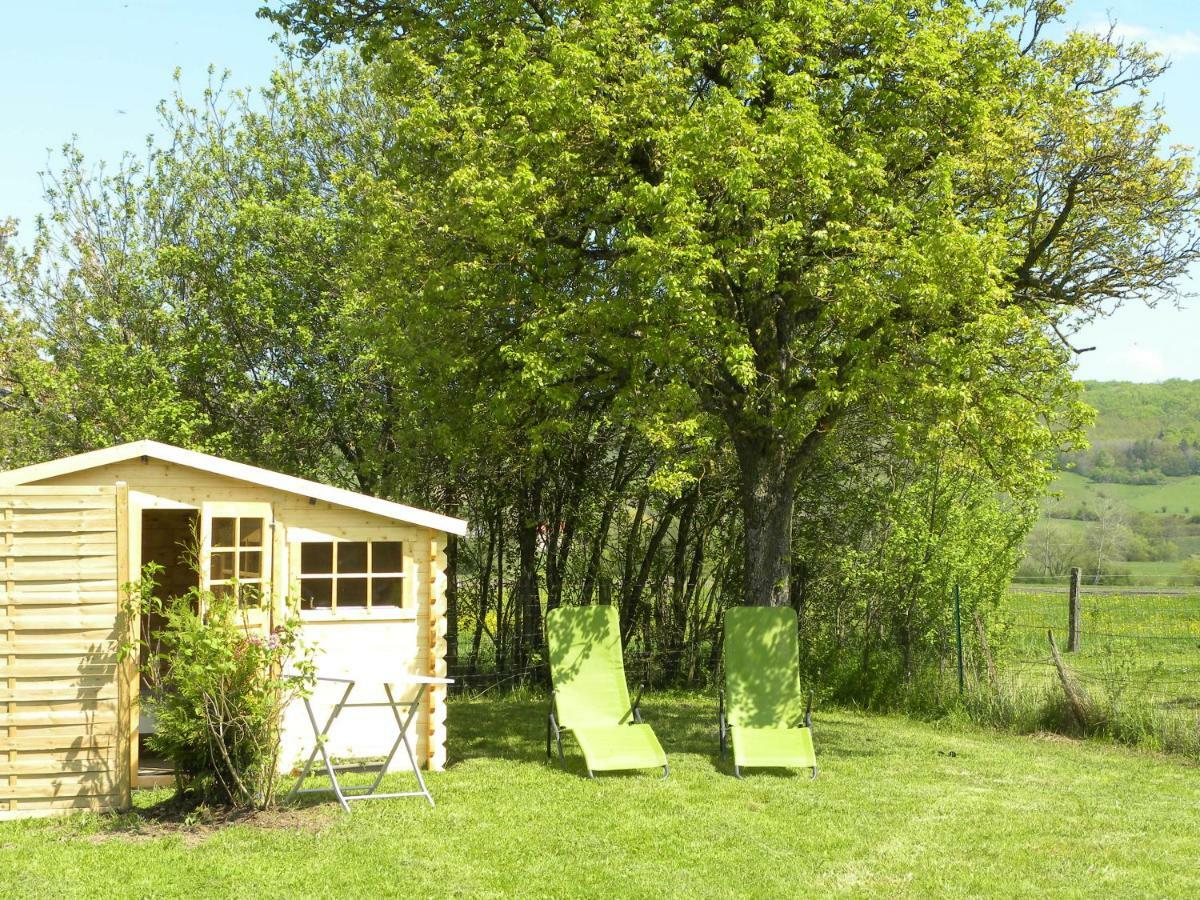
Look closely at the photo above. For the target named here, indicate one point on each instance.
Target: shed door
(235, 555)
(64, 719)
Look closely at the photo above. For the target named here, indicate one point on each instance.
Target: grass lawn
(900, 808)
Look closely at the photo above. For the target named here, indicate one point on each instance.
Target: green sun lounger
(762, 708)
(590, 698)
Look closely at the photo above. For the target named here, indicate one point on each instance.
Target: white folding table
(410, 708)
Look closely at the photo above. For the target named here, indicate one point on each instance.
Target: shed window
(236, 557)
(351, 575)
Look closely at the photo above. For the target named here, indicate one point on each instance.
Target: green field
(1070, 494)
(900, 809)
(1180, 496)
(1164, 571)
(1142, 644)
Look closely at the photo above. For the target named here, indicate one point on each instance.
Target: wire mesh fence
(1134, 662)
(1138, 582)
(491, 670)
(1137, 650)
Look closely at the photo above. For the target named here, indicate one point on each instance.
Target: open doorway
(169, 539)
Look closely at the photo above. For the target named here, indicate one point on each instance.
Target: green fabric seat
(774, 747)
(590, 699)
(621, 747)
(762, 708)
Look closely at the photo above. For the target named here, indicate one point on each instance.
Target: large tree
(789, 209)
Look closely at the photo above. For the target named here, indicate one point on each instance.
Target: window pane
(222, 532)
(222, 590)
(316, 559)
(387, 556)
(351, 592)
(252, 533)
(251, 564)
(316, 593)
(222, 565)
(250, 595)
(352, 557)
(387, 591)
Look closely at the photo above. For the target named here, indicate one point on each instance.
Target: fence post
(1074, 624)
(958, 634)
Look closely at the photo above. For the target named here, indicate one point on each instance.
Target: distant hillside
(1129, 411)
(1143, 435)
(1128, 507)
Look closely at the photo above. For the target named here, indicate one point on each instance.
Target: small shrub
(218, 691)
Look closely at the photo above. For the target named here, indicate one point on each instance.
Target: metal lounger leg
(553, 729)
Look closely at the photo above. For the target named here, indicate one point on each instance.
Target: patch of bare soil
(1054, 737)
(194, 822)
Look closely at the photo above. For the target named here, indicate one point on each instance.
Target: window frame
(211, 511)
(404, 607)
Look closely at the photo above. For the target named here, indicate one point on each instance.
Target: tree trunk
(501, 612)
(485, 586)
(528, 597)
(768, 494)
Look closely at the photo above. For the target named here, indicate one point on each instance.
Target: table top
(399, 679)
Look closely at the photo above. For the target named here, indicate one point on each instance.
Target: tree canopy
(774, 214)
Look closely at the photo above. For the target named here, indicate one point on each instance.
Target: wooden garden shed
(368, 576)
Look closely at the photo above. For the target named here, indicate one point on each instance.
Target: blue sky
(96, 69)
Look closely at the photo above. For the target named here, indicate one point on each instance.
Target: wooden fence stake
(987, 650)
(1074, 625)
(1077, 698)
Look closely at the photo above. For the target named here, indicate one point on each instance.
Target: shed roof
(235, 470)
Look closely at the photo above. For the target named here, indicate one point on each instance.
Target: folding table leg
(404, 723)
(322, 735)
(387, 689)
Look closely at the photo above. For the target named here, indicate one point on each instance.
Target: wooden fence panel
(62, 740)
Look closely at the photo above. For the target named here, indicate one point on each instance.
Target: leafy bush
(218, 691)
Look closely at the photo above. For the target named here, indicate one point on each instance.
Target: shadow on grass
(498, 728)
(515, 729)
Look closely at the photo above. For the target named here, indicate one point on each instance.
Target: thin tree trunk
(501, 612)
(485, 587)
(528, 597)
(675, 620)
(633, 589)
(611, 499)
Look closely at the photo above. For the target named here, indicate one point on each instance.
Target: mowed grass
(900, 809)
